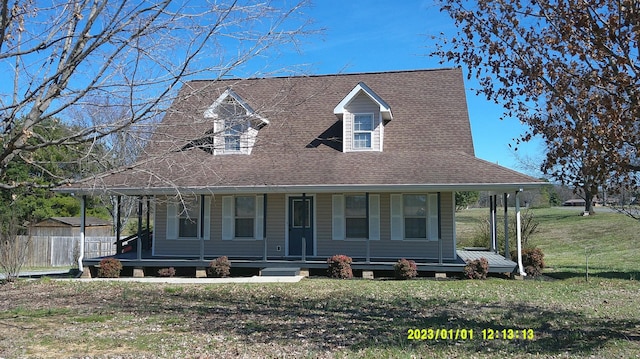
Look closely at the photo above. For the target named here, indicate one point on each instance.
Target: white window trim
(398, 220)
(229, 219)
(371, 132)
(175, 208)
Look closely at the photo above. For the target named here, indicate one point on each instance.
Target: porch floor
(497, 262)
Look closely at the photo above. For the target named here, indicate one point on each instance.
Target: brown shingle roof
(428, 142)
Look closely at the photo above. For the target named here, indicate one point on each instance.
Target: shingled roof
(427, 144)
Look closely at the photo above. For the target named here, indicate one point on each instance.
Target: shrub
(219, 267)
(167, 272)
(477, 269)
(109, 268)
(405, 269)
(532, 260)
(340, 267)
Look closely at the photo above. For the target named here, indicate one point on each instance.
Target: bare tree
(62, 56)
(13, 248)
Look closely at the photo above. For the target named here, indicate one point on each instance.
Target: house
(291, 170)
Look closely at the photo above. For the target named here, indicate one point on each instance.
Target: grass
(608, 239)
(323, 318)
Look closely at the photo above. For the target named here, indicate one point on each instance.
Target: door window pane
(301, 214)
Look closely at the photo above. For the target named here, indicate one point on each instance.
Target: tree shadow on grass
(353, 321)
(595, 272)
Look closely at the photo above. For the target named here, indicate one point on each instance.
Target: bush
(167, 272)
(109, 268)
(219, 267)
(532, 260)
(405, 269)
(340, 267)
(477, 269)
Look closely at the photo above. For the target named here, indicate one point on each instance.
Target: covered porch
(497, 262)
(141, 254)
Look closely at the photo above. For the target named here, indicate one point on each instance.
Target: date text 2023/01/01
(470, 334)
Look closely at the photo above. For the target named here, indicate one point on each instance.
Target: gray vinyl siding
(385, 247)
(325, 245)
(360, 105)
(215, 246)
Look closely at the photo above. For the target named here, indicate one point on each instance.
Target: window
(349, 217)
(242, 217)
(184, 218)
(356, 216)
(232, 136)
(362, 130)
(188, 219)
(245, 211)
(415, 216)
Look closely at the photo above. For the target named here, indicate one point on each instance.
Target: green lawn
(322, 318)
(610, 240)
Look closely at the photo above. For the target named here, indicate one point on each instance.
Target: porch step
(279, 272)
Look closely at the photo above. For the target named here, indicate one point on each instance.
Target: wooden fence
(52, 251)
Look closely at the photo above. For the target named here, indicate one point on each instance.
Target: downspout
(83, 220)
(519, 234)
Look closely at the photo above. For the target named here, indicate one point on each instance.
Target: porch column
(148, 237)
(304, 227)
(264, 226)
(366, 205)
(492, 222)
(139, 239)
(440, 260)
(519, 234)
(118, 225)
(507, 256)
(202, 228)
(83, 225)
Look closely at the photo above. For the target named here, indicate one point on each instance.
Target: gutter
(317, 188)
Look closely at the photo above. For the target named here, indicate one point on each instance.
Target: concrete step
(280, 272)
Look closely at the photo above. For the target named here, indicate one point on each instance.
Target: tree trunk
(588, 200)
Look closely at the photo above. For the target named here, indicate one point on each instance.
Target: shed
(70, 227)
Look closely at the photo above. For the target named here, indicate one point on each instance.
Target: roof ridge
(326, 75)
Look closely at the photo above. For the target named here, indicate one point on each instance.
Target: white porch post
(368, 249)
(507, 255)
(492, 223)
(202, 228)
(139, 239)
(264, 227)
(83, 224)
(519, 234)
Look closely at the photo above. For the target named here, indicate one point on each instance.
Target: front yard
(319, 318)
(567, 316)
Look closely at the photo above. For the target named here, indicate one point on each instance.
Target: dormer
(363, 114)
(235, 124)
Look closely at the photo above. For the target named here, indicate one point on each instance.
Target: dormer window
(362, 131)
(232, 137)
(235, 124)
(363, 114)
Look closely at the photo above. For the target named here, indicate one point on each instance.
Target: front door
(300, 225)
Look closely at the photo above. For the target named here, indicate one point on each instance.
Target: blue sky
(379, 35)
